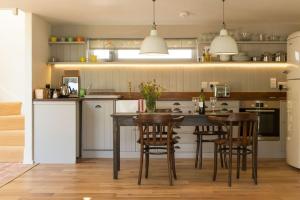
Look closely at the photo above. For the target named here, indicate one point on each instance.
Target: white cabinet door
(55, 131)
(97, 125)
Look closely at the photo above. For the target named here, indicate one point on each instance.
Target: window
(101, 53)
(128, 49)
(173, 54)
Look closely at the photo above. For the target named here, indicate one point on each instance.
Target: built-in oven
(268, 117)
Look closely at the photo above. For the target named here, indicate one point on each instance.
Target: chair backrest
(155, 128)
(247, 123)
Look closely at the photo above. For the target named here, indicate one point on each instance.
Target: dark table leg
(115, 148)
(118, 146)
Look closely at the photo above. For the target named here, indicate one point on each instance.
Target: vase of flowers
(150, 91)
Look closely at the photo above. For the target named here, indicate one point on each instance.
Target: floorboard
(93, 178)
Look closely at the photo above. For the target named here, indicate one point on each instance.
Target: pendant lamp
(154, 44)
(223, 44)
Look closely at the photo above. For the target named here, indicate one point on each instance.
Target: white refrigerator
(293, 100)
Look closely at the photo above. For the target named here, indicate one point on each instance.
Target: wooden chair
(156, 137)
(207, 133)
(245, 140)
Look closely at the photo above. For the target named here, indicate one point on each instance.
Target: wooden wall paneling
(177, 79)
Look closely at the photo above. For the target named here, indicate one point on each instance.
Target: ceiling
(139, 12)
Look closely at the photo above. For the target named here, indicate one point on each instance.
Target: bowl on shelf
(225, 58)
(241, 57)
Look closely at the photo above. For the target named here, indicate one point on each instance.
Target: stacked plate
(241, 57)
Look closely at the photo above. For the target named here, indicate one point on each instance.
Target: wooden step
(13, 122)
(12, 138)
(11, 153)
(10, 108)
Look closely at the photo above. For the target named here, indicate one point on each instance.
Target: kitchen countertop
(186, 96)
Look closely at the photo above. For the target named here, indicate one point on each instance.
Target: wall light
(171, 65)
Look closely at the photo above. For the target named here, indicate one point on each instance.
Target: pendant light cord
(224, 25)
(154, 24)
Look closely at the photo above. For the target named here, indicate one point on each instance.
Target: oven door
(268, 123)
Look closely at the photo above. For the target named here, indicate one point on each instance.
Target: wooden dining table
(126, 119)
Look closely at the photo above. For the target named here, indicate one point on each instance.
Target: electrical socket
(203, 85)
(273, 83)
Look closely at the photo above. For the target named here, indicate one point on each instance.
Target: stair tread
(12, 132)
(11, 116)
(10, 108)
(13, 122)
(11, 147)
(11, 153)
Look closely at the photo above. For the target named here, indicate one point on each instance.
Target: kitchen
(87, 75)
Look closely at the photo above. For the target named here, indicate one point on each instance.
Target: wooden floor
(93, 178)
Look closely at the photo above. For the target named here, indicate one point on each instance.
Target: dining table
(127, 119)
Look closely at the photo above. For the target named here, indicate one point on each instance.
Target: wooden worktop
(187, 96)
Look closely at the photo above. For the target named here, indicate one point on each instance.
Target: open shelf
(250, 42)
(166, 64)
(78, 43)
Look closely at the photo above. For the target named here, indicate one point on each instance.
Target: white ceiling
(139, 12)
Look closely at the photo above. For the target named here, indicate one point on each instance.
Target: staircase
(11, 132)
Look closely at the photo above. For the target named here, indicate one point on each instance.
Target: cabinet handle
(98, 106)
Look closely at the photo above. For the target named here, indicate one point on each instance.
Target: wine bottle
(201, 103)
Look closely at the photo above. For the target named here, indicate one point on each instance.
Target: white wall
(23, 54)
(12, 56)
(37, 33)
(41, 72)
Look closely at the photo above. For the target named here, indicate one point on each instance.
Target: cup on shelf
(70, 39)
(62, 39)
(79, 39)
(53, 38)
(93, 58)
(245, 36)
(82, 59)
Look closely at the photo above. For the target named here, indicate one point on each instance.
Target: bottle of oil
(202, 103)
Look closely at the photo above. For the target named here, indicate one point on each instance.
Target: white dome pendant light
(153, 44)
(223, 44)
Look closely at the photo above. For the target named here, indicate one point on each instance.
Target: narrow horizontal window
(101, 53)
(173, 54)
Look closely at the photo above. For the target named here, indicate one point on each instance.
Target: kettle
(64, 90)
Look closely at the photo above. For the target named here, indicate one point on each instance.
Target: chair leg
(215, 161)
(252, 160)
(238, 163)
(200, 152)
(230, 167)
(224, 155)
(169, 159)
(141, 164)
(221, 154)
(146, 161)
(255, 163)
(244, 159)
(197, 150)
(173, 163)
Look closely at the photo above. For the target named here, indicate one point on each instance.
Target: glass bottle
(202, 103)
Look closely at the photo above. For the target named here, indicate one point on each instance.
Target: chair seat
(210, 133)
(235, 142)
(162, 142)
